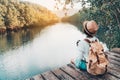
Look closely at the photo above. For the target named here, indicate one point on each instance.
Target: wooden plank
(112, 61)
(73, 73)
(117, 56)
(62, 75)
(113, 54)
(114, 58)
(116, 50)
(114, 66)
(110, 77)
(32, 79)
(38, 77)
(49, 76)
(86, 74)
(114, 72)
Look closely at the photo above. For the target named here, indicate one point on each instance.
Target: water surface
(27, 53)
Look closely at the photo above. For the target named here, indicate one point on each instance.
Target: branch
(116, 18)
(118, 10)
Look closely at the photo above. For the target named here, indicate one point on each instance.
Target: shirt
(83, 48)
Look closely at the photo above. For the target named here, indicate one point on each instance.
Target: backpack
(97, 60)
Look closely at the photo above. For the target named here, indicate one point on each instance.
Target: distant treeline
(15, 15)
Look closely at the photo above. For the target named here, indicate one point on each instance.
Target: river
(26, 53)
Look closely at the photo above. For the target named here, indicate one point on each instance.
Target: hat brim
(86, 30)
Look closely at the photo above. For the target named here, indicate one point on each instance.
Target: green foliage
(15, 14)
(107, 14)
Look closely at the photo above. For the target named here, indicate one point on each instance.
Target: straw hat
(90, 27)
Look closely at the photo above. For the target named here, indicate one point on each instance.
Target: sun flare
(46, 3)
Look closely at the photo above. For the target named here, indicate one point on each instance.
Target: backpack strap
(77, 42)
(98, 60)
(87, 40)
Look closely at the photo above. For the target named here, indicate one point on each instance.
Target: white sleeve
(81, 49)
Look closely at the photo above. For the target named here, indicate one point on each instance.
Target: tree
(15, 14)
(107, 14)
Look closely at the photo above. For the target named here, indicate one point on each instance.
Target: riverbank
(70, 72)
(17, 15)
(4, 30)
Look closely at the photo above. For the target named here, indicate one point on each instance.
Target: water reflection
(13, 40)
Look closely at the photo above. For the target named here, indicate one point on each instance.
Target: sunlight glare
(46, 3)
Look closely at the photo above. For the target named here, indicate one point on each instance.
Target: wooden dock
(70, 72)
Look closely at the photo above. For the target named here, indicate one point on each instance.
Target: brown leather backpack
(97, 60)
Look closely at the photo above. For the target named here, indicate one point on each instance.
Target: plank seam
(43, 77)
(40, 76)
(55, 75)
(32, 78)
(114, 52)
(114, 59)
(113, 75)
(68, 73)
(114, 63)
